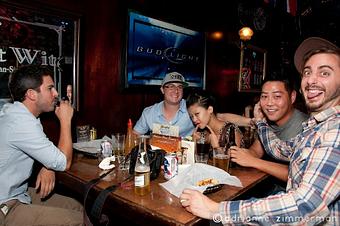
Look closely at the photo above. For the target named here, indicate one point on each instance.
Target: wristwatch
(4, 208)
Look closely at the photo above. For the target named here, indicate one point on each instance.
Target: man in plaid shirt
(312, 193)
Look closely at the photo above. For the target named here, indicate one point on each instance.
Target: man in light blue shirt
(22, 141)
(171, 111)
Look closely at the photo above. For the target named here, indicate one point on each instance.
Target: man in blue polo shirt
(172, 111)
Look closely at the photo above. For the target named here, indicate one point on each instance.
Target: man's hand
(258, 116)
(198, 204)
(45, 182)
(258, 113)
(64, 111)
(242, 156)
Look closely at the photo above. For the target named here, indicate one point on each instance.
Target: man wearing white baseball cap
(171, 111)
(313, 189)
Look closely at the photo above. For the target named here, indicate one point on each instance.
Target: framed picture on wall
(252, 68)
(34, 36)
(155, 48)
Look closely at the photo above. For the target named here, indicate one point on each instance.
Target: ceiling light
(245, 33)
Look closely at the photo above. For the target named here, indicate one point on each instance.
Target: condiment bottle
(142, 168)
(93, 133)
(129, 138)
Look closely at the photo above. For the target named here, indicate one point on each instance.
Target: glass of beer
(221, 158)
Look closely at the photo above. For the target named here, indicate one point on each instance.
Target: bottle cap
(130, 122)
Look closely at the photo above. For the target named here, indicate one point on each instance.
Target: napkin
(106, 163)
(90, 147)
(188, 178)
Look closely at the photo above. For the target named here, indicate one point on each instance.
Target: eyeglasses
(173, 87)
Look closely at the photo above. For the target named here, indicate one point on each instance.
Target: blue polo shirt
(154, 114)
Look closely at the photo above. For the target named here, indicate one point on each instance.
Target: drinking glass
(221, 158)
(202, 150)
(83, 133)
(118, 145)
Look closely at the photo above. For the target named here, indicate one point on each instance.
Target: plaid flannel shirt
(312, 193)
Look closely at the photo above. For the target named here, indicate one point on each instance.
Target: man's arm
(242, 157)
(314, 187)
(135, 132)
(272, 144)
(252, 158)
(65, 113)
(308, 203)
(256, 149)
(141, 127)
(234, 118)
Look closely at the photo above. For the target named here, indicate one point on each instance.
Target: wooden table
(157, 208)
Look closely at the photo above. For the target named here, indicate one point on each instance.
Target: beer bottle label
(139, 181)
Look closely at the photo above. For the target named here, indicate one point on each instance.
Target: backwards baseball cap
(309, 45)
(174, 77)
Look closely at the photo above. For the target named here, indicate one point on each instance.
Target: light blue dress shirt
(22, 140)
(154, 114)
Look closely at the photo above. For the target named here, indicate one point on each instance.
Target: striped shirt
(312, 193)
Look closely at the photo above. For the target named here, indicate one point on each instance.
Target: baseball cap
(309, 45)
(174, 77)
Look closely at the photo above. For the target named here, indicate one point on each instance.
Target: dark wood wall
(104, 103)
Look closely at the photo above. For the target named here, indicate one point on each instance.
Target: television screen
(155, 48)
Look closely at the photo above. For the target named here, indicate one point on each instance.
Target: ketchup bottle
(129, 138)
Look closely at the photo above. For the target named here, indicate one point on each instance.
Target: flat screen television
(155, 48)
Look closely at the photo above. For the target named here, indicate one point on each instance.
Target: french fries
(208, 181)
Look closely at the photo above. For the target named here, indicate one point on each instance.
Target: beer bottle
(231, 142)
(142, 168)
(129, 138)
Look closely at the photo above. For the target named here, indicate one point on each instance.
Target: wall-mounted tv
(155, 48)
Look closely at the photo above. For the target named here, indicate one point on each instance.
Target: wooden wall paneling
(104, 104)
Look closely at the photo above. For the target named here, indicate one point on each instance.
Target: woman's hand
(213, 138)
(196, 135)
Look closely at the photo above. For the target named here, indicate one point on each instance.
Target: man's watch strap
(4, 208)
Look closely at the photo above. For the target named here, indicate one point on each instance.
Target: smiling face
(199, 115)
(320, 82)
(173, 93)
(276, 103)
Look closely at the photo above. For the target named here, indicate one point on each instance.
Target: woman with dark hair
(200, 105)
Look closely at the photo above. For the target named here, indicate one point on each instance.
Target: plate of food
(213, 184)
(201, 177)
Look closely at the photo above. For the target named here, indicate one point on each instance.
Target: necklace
(219, 133)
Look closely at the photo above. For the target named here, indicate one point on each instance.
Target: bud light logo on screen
(156, 48)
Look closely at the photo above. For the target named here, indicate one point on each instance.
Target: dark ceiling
(266, 17)
(275, 30)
